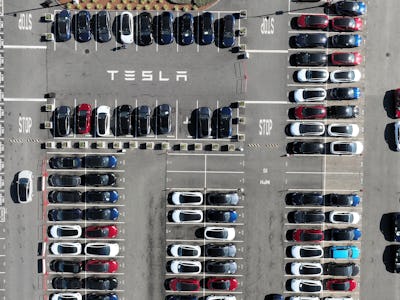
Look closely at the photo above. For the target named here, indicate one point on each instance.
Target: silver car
(343, 130)
(310, 95)
(307, 128)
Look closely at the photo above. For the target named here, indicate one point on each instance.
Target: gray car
(221, 267)
(222, 198)
(64, 180)
(63, 120)
(103, 26)
(347, 269)
(203, 128)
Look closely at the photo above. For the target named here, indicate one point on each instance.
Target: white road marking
(207, 154)
(205, 171)
(323, 172)
(25, 47)
(25, 99)
(268, 51)
(191, 241)
(267, 102)
(326, 190)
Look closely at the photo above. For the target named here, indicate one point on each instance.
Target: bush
(202, 2)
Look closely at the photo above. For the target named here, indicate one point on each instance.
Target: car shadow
(115, 28)
(196, 29)
(388, 257)
(292, 42)
(389, 136)
(388, 104)
(293, 23)
(291, 96)
(289, 148)
(192, 126)
(292, 60)
(199, 233)
(218, 32)
(13, 189)
(289, 235)
(287, 130)
(291, 114)
(386, 226)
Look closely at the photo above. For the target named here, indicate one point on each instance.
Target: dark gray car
(103, 27)
(221, 267)
(63, 120)
(203, 128)
(347, 269)
(64, 180)
(163, 120)
(214, 250)
(313, 216)
(220, 198)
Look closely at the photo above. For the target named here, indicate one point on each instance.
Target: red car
(313, 21)
(310, 112)
(184, 284)
(222, 284)
(101, 266)
(108, 231)
(308, 235)
(346, 24)
(346, 58)
(397, 103)
(346, 285)
(83, 118)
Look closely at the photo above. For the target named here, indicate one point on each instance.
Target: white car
(103, 115)
(343, 130)
(307, 251)
(102, 249)
(307, 128)
(66, 296)
(25, 186)
(304, 298)
(219, 233)
(346, 148)
(344, 217)
(343, 76)
(306, 285)
(306, 269)
(66, 248)
(126, 27)
(397, 135)
(181, 250)
(187, 216)
(220, 297)
(187, 198)
(310, 95)
(312, 75)
(185, 267)
(65, 231)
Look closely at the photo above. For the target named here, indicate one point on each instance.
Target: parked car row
(87, 161)
(320, 94)
(197, 198)
(128, 121)
(319, 216)
(206, 123)
(91, 179)
(313, 251)
(143, 29)
(196, 216)
(318, 199)
(318, 129)
(78, 296)
(333, 148)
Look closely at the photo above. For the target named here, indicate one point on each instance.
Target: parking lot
(256, 161)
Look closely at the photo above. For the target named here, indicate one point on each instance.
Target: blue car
(346, 234)
(344, 252)
(110, 214)
(342, 199)
(224, 216)
(63, 26)
(344, 93)
(186, 29)
(206, 29)
(228, 32)
(166, 28)
(100, 161)
(350, 8)
(83, 30)
(346, 40)
(100, 196)
(224, 124)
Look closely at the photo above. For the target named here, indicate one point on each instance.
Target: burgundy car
(310, 112)
(346, 285)
(223, 284)
(346, 24)
(107, 231)
(313, 21)
(101, 266)
(346, 58)
(397, 102)
(83, 118)
(308, 235)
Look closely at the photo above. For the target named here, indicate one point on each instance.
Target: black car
(342, 199)
(218, 250)
(63, 120)
(183, 297)
(163, 120)
(224, 122)
(100, 283)
(345, 234)
(66, 266)
(63, 283)
(142, 118)
(111, 213)
(345, 93)
(346, 269)
(64, 180)
(396, 227)
(103, 26)
(186, 29)
(311, 59)
(313, 216)
(93, 179)
(83, 26)
(224, 216)
(94, 296)
(124, 125)
(349, 8)
(397, 261)
(206, 30)
(100, 196)
(346, 41)
(222, 198)
(311, 40)
(144, 23)
(65, 162)
(72, 214)
(221, 267)
(305, 199)
(342, 112)
(203, 128)
(228, 33)
(63, 26)
(64, 196)
(308, 148)
(166, 28)
(99, 161)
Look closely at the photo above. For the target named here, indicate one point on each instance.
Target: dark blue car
(83, 26)
(63, 26)
(206, 28)
(110, 214)
(350, 8)
(224, 125)
(346, 40)
(228, 32)
(186, 29)
(166, 28)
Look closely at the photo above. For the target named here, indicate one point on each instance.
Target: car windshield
(315, 74)
(309, 111)
(228, 27)
(344, 147)
(102, 23)
(310, 128)
(102, 122)
(62, 26)
(66, 232)
(308, 270)
(309, 252)
(82, 119)
(221, 285)
(345, 22)
(186, 25)
(347, 57)
(125, 25)
(183, 251)
(98, 267)
(310, 236)
(189, 216)
(312, 19)
(343, 218)
(165, 24)
(185, 286)
(217, 234)
(348, 75)
(341, 286)
(310, 288)
(342, 129)
(312, 94)
(207, 25)
(96, 160)
(187, 268)
(103, 214)
(67, 249)
(67, 214)
(346, 39)
(100, 232)
(103, 250)
(82, 22)
(188, 199)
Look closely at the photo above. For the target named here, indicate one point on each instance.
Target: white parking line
(85, 187)
(205, 171)
(84, 154)
(268, 102)
(86, 170)
(323, 172)
(201, 154)
(23, 47)
(200, 240)
(267, 51)
(326, 190)
(209, 223)
(176, 119)
(25, 100)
